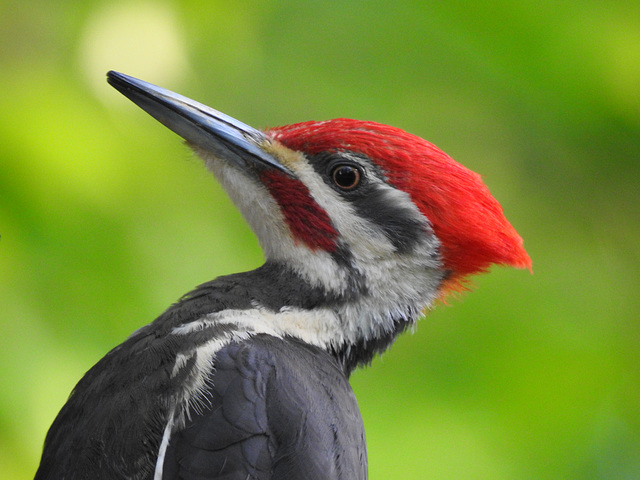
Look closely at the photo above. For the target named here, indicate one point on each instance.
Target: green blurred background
(106, 218)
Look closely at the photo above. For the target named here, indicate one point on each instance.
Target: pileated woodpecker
(363, 227)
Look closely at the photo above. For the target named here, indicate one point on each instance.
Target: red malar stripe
(307, 221)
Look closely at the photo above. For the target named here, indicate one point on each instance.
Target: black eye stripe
(370, 197)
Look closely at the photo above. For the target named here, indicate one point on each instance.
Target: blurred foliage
(106, 218)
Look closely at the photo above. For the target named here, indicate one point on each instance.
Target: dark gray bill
(200, 125)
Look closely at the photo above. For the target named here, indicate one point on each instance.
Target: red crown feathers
(469, 222)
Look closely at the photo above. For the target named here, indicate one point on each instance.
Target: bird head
(380, 220)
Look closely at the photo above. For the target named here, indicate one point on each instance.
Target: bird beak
(199, 125)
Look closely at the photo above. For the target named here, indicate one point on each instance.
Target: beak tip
(198, 124)
(114, 78)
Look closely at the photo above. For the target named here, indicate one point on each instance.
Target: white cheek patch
(252, 199)
(267, 221)
(398, 286)
(362, 237)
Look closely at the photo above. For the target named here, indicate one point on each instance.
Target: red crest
(464, 215)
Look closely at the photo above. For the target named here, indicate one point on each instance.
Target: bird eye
(347, 177)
